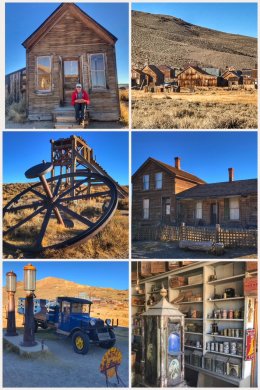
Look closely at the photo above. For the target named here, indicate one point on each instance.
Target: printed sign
(110, 361)
(250, 344)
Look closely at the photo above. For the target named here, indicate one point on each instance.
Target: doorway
(71, 76)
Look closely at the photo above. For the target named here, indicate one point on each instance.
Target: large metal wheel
(59, 212)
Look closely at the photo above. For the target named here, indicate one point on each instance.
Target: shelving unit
(228, 274)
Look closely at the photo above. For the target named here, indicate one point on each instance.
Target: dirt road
(62, 367)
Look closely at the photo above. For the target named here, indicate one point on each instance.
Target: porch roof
(221, 190)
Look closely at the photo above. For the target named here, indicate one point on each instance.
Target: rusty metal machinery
(58, 212)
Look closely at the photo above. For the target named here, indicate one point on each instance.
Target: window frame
(160, 181)
(237, 209)
(199, 209)
(45, 91)
(148, 188)
(95, 88)
(146, 217)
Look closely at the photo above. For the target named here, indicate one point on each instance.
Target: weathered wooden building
(229, 78)
(194, 76)
(15, 85)
(164, 194)
(67, 48)
(155, 186)
(137, 77)
(152, 75)
(167, 72)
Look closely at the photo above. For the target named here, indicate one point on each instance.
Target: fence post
(217, 236)
(182, 231)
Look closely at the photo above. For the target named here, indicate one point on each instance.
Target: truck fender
(76, 330)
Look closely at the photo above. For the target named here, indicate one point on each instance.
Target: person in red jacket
(79, 100)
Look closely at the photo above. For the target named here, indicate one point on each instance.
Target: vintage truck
(71, 317)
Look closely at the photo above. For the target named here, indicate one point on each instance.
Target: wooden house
(229, 78)
(153, 76)
(137, 77)
(164, 194)
(194, 76)
(15, 85)
(230, 204)
(155, 186)
(67, 48)
(167, 72)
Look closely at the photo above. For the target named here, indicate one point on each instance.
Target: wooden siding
(15, 85)
(69, 37)
(247, 212)
(191, 77)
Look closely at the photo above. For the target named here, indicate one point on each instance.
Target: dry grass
(204, 109)
(15, 111)
(124, 106)
(110, 242)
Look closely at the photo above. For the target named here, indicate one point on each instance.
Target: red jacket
(75, 97)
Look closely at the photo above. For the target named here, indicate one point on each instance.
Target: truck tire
(80, 342)
(109, 343)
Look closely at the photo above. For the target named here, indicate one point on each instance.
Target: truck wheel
(80, 342)
(109, 343)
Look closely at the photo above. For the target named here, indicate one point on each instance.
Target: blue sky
(22, 19)
(112, 274)
(24, 149)
(236, 18)
(207, 155)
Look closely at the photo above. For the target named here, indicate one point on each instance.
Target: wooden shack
(194, 76)
(229, 79)
(167, 72)
(15, 85)
(67, 48)
(153, 76)
(137, 77)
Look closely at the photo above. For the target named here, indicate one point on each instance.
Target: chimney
(177, 163)
(231, 174)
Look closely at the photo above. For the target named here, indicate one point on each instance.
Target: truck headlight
(108, 322)
(92, 322)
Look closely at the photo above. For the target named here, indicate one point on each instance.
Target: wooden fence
(230, 237)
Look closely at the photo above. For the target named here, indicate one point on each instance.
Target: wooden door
(71, 76)
(213, 213)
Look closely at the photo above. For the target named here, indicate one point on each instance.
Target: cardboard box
(195, 279)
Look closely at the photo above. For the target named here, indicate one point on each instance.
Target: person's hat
(78, 86)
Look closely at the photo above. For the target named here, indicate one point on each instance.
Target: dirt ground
(61, 366)
(170, 250)
(215, 108)
(50, 125)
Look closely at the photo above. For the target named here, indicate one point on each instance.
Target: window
(234, 209)
(146, 208)
(43, 72)
(158, 181)
(199, 210)
(97, 71)
(146, 182)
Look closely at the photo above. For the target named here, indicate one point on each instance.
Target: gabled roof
(199, 70)
(220, 190)
(57, 14)
(229, 73)
(171, 170)
(154, 69)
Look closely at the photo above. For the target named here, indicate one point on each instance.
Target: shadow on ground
(170, 250)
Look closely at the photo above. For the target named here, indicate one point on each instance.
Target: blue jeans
(79, 110)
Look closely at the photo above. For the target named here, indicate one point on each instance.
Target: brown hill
(114, 303)
(163, 39)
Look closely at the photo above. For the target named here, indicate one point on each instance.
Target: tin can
(216, 347)
(221, 347)
(225, 332)
(226, 347)
(231, 314)
(237, 332)
(224, 313)
(233, 348)
(232, 332)
(229, 332)
(208, 345)
(198, 344)
(212, 346)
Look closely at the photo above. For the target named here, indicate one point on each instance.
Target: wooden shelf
(190, 346)
(226, 354)
(138, 305)
(193, 319)
(224, 337)
(228, 279)
(201, 334)
(224, 319)
(224, 378)
(186, 303)
(187, 286)
(226, 299)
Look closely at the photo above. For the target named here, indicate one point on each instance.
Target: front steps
(64, 118)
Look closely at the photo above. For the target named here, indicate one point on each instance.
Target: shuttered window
(199, 210)
(234, 209)
(146, 205)
(146, 180)
(43, 72)
(158, 181)
(98, 71)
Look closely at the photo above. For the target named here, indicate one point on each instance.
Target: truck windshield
(80, 308)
